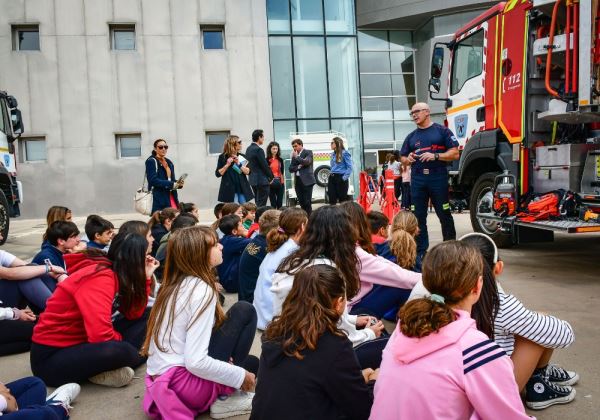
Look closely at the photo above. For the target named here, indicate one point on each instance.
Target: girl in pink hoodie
(437, 364)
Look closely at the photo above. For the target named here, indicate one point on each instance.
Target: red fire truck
(523, 100)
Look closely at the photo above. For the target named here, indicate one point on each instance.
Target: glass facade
(388, 88)
(314, 70)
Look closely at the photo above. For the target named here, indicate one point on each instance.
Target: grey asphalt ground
(560, 278)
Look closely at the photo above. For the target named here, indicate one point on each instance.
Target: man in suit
(260, 172)
(304, 178)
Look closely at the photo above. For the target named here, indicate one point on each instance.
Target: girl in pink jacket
(437, 364)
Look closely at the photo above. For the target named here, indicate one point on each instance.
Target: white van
(320, 144)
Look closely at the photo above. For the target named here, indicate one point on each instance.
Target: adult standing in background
(260, 172)
(406, 187)
(429, 149)
(277, 186)
(341, 169)
(160, 173)
(232, 168)
(304, 178)
(394, 165)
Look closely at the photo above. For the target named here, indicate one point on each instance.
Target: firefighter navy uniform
(429, 180)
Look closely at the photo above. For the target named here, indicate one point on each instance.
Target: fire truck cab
(523, 96)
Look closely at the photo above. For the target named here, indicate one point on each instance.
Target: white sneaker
(64, 395)
(236, 404)
(114, 378)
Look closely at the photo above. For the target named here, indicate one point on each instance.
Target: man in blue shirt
(428, 150)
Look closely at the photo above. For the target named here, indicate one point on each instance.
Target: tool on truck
(523, 97)
(11, 191)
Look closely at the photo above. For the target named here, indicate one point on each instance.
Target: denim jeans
(239, 198)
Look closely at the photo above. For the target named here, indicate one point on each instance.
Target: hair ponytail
(404, 248)
(290, 222)
(450, 272)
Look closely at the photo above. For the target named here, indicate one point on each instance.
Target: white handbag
(142, 200)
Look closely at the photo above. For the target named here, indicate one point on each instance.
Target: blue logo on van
(460, 125)
(6, 160)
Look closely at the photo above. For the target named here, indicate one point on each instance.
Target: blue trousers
(435, 187)
(33, 292)
(30, 394)
(380, 300)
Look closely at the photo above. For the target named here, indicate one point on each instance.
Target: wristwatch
(437, 156)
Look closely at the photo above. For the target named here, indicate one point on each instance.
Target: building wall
(78, 93)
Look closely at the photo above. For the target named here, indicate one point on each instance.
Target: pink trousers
(178, 394)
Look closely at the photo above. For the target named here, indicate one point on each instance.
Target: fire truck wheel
(322, 175)
(4, 218)
(482, 200)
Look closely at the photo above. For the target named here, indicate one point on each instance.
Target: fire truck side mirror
(434, 85)
(17, 123)
(437, 62)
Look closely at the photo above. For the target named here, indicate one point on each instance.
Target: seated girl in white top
(193, 365)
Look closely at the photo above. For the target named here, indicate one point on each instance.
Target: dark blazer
(161, 186)
(229, 180)
(304, 164)
(260, 172)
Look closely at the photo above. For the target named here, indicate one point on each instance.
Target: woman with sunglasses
(160, 173)
(232, 168)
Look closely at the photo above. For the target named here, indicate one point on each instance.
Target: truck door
(466, 84)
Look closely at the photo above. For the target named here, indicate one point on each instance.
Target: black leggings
(233, 339)
(15, 336)
(60, 365)
(337, 189)
(369, 353)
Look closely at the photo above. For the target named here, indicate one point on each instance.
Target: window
(129, 146)
(215, 141)
(467, 62)
(282, 77)
(26, 37)
(122, 37)
(213, 37)
(32, 149)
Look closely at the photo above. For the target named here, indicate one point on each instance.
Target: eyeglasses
(416, 111)
(165, 147)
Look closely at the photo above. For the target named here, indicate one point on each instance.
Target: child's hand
(374, 375)
(10, 401)
(367, 374)
(151, 265)
(363, 321)
(26, 315)
(249, 382)
(377, 328)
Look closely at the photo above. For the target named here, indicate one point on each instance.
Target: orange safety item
(389, 206)
(369, 192)
(541, 209)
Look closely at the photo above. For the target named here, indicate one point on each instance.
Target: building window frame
(212, 27)
(23, 146)
(119, 137)
(17, 29)
(207, 136)
(115, 28)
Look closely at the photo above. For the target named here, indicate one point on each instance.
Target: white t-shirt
(395, 166)
(6, 258)
(188, 345)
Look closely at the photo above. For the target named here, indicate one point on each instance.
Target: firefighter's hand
(412, 157)
(427, 157)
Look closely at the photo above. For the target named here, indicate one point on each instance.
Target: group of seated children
(317, 287)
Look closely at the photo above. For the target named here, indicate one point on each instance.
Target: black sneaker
(540, 393)
(561, 376)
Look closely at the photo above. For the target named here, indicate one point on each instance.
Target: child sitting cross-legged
(197, 354)
(308, 369)
(234, 242)
(437, 364)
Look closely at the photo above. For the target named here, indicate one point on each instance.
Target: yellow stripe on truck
(465, 106)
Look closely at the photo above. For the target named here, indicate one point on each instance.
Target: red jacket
(80, 309)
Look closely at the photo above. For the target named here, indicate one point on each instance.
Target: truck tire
(322, 175)
(4, 217)
(482, 195)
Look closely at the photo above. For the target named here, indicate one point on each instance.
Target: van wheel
(322, 175)
(4, 218)
(482, 200)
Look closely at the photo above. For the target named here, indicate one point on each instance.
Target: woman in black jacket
(160, 173)
(277, 187)
(232, 169)
(308, 369)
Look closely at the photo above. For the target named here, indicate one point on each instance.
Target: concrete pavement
(560, 278)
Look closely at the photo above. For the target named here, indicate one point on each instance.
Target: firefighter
(428, 150)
